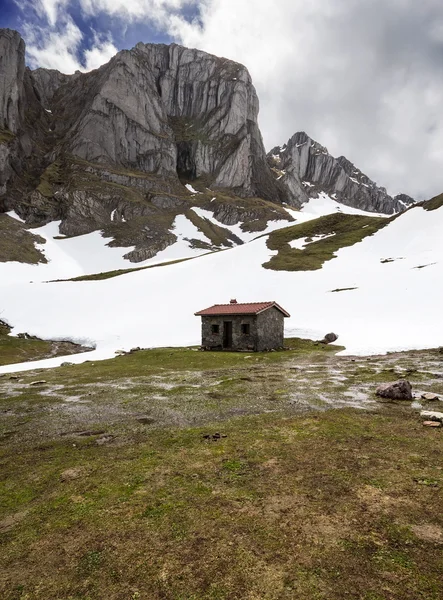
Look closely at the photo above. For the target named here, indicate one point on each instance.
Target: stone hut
(253, 327)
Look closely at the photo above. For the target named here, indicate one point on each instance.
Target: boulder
(431, 415)
(71, 474)
(430, 396)
(329, 338)
(432, 423)
(399, 390)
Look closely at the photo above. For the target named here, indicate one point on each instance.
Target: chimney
(233, 301)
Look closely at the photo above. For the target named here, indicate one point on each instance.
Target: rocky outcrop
(113, 148)
(22, 119)
(165, 110)
(47, 81)
(123, 139)
(306, 168)
(12, 61)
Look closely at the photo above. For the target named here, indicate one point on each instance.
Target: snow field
(396, 305)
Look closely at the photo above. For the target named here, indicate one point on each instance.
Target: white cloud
(365, 79)
(156, 11)
(50, 9)
(56, 49)
(59, 49)
(56, 42)
(99, 54)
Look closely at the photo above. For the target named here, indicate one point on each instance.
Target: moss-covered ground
(434, 203)
(24, 348)
(52, 176)
(344, 230)
(118, 272)
(179, 474)
(18, 244)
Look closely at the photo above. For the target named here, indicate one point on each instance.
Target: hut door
(227, 334)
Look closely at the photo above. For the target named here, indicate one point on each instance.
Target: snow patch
(15, 216)
(189, 187)
(301, 243)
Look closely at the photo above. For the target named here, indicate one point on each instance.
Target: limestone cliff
(123, 140)
(112, 149)
(306, 168)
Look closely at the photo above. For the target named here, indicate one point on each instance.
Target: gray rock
(329, 338)
(12, 52)
(400, 390)
(121, 140)
(430, 396)
(46, 82)
(306, 168)
(124, 137)
(167, 110)
(432, 415)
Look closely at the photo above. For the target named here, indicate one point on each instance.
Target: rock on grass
(400, 390)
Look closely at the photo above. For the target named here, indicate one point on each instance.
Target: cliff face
(113, 148)
(19, 111)
(306, 168)
(165, 110)
(12, 63)
(123, 140)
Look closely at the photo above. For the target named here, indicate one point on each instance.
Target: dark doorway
(227, 334)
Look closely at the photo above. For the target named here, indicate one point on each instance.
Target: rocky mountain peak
(125, 138)
(307, 169)
(116, 149)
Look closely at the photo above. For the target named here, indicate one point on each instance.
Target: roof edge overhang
(277, 306)
(201, 313)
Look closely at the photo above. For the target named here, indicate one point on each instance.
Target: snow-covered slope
(396, 304)
(90, 254)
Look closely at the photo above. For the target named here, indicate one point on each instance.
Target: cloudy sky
(363, 77)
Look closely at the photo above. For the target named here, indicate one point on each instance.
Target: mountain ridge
(306, 168)
(112, 149)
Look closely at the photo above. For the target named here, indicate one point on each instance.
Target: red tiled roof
(251, 308)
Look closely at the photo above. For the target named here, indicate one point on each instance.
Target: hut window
(215, 328)
(245, 329)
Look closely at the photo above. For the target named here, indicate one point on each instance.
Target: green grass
(53, 175)
(181, 359)
(13, 349)
(348, 230)
(110, 274)
(217, 235)
(17, 244)
(21, 349)
(434, 203)
(125, 494)
(187, 129)
(281, 508)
